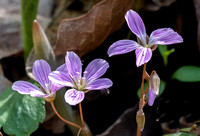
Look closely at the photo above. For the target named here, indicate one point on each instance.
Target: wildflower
(41, 70)
(72, 77)
(145, 45)
(154, 85)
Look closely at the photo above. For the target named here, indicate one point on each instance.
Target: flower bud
(154, 85)
(154, 82)
(140, 119)
(42, 47)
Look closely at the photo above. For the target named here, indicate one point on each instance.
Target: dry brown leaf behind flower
(85, 33)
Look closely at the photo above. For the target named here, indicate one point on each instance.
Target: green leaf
(187, 74)
(20, 114)
(185, 129)
(161, 90)
(28, 12)
(165, 53)
(180, 134)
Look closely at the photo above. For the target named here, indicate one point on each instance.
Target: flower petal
(99, 84)
(60, 78)
(74, 97)
(122, 47)
(24, 87)
(62, 68)
(143, 55)
(37, 93)
(55, 87)
(73, 64)
(136, 25)
(41, 70)
(151, 97)
(95, 69)
(164, 36)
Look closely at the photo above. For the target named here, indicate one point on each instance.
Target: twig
(81, 114)
(66, 121)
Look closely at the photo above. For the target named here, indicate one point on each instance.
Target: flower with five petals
(41, 70)
(72, 77)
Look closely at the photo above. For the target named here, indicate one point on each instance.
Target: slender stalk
(143, 76)
(81, 114)
(147, 88)
(142, 98)
(138, 132)
(79, 132)
(146, 102)
(66, 121)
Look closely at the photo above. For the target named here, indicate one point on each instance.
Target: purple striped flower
(145, 45)
(72, 77)
(41, 70)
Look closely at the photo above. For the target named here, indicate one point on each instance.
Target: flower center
(79, 83)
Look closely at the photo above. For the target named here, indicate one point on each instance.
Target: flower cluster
(68, 74)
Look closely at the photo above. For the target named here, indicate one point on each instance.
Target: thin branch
(143, 76)
(138, 132)
(79, 131)
(81, 114)
(66, 121)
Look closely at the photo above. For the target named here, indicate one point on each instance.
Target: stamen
(47, 88)
(85, 72)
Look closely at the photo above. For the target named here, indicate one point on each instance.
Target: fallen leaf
(85, 33)
(67, 9)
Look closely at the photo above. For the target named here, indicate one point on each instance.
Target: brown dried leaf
(85, 33)
(67, 9)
